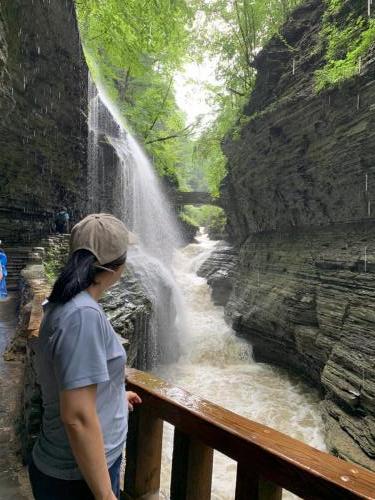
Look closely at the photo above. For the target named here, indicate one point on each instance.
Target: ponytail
(78, 274)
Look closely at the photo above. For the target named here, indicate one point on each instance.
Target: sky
(191, 95)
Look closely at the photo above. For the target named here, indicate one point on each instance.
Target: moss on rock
(348, 32)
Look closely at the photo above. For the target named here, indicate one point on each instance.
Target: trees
(233, 32)
(135, 36)
(134, 48)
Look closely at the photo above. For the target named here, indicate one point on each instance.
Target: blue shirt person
(3, 274)
(80, 366)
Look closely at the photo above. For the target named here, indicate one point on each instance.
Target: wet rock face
(43, 106)
(303, 157)
(219, 271)
(129, 311)
(187, 230)
(298, 198)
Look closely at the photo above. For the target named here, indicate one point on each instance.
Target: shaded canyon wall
(298, 198)
(43, 106)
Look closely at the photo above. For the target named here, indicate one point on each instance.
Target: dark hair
(78, 274)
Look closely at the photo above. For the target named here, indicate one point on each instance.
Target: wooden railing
(268, 460)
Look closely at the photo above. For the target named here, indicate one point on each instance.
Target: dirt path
(13, 477)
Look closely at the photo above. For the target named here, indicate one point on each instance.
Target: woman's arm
(81, 422)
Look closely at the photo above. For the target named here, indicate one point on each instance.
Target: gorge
(295, 278)
(298, 197)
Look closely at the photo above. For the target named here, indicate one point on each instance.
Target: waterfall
(122, 181)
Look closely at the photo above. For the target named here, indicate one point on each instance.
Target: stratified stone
(11, 388)
(298, 195)
(129, 311)
(218, 269)
(43, 107)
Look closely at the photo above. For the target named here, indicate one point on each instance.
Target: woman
(3, 274)
(80, 367)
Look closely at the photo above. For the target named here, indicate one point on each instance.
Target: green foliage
(208, 216)
(51, 271)
(185, 217)
(216, 226)
(134, 47)
(233, 33)
(208, 152)
(54, 261)
(348, 37)
(135, 35)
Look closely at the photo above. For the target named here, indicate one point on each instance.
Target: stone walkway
(13, 477)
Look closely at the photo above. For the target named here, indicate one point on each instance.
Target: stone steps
(20, 257)
(17, 260)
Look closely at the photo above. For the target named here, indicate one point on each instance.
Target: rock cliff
(298, 194)
(219, 271)
(43, 106)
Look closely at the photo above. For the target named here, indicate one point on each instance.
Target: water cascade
(122, 181)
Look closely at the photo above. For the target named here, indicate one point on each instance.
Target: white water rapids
(218, 366)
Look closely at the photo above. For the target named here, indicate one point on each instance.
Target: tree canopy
(134, 48)
(137, 46)
(232, 32)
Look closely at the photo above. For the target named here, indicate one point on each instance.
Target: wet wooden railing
(268, 460)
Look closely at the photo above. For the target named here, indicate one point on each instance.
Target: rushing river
(218, 366)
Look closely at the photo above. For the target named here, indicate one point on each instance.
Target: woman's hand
(133, 399)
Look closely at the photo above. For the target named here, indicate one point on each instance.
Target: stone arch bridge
(195, 198)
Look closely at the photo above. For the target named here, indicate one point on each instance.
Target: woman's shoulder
(84, 301)
(82, 306)
(79, 312)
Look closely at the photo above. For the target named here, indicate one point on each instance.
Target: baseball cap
(103, 235)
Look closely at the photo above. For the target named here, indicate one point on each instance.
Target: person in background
(81, 370)
(3, 274)
(62, 221)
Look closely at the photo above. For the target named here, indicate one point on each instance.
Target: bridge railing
(268, 460)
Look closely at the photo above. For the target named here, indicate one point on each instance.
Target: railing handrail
(276, 457)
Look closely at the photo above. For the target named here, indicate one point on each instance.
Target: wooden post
(191, 469)
(143, 454)
(250, 485)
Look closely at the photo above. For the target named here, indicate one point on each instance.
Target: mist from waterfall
(133, 192)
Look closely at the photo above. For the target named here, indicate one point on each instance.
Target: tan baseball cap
(102, 234)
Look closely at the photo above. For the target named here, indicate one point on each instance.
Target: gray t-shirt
(76, 347)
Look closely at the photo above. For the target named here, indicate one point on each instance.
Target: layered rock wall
(298, 198)
(43, 106)
(219, 271)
